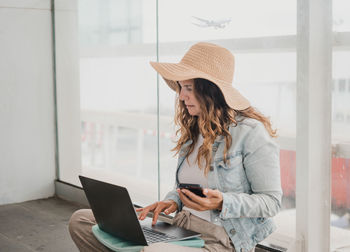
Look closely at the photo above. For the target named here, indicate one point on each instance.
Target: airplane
(220, 23)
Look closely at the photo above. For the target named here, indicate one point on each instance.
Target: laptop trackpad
(169, 229)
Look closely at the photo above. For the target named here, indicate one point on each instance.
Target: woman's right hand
(166, 206)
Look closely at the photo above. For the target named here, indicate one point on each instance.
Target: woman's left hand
(191, 200)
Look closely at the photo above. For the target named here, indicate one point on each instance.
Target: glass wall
(341, 137)
(118, 88)
(122, 100)
(340, 216)
(118, 94)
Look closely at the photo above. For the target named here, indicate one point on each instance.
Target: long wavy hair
(214, 120)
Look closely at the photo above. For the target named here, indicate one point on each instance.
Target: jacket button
(232, 231)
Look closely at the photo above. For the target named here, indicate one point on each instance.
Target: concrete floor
(38, 225)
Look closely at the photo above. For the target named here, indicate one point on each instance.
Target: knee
(76, 220)
(160, 247)
(152, 247)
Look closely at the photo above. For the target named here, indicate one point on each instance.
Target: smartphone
(195, 188)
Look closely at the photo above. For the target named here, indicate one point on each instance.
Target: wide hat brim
(173, 72)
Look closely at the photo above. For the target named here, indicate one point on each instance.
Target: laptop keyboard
(153, 236)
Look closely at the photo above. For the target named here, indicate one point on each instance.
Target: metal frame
(287, 43)
(67, 89)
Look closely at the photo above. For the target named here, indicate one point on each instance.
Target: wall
(27, 132)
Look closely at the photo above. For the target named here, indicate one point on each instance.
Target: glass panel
(108, 23)
(118, 95)
(340, 216)
(266, 78)
(271, 89)
(341, 96)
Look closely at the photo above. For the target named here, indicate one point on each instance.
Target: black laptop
(115, 214)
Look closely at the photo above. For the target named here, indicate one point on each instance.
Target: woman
(224, 145)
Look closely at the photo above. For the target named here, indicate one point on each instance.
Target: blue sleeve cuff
(229, 209)
(173, 195)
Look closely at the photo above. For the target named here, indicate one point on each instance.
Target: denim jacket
(249, 182)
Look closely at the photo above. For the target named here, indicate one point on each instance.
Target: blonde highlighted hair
(215, 118)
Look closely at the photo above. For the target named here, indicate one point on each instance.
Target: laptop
(115, 214)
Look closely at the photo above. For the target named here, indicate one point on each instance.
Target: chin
(193, 113)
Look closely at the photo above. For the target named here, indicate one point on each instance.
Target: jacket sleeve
(261, 164)
(173, 195)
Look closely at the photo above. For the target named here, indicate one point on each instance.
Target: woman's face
(188, 97)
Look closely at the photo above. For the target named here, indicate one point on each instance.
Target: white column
(313, 164)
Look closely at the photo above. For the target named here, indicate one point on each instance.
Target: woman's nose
(181, 96)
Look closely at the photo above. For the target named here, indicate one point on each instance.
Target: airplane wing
(201, 25)
(202, 20)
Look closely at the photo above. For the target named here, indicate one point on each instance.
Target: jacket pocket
(231, 162)
(231, 174)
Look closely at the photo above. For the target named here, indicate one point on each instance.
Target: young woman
(224, 145)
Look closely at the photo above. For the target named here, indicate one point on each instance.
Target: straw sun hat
(206, 61)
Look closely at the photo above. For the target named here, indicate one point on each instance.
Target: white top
(192, 174)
